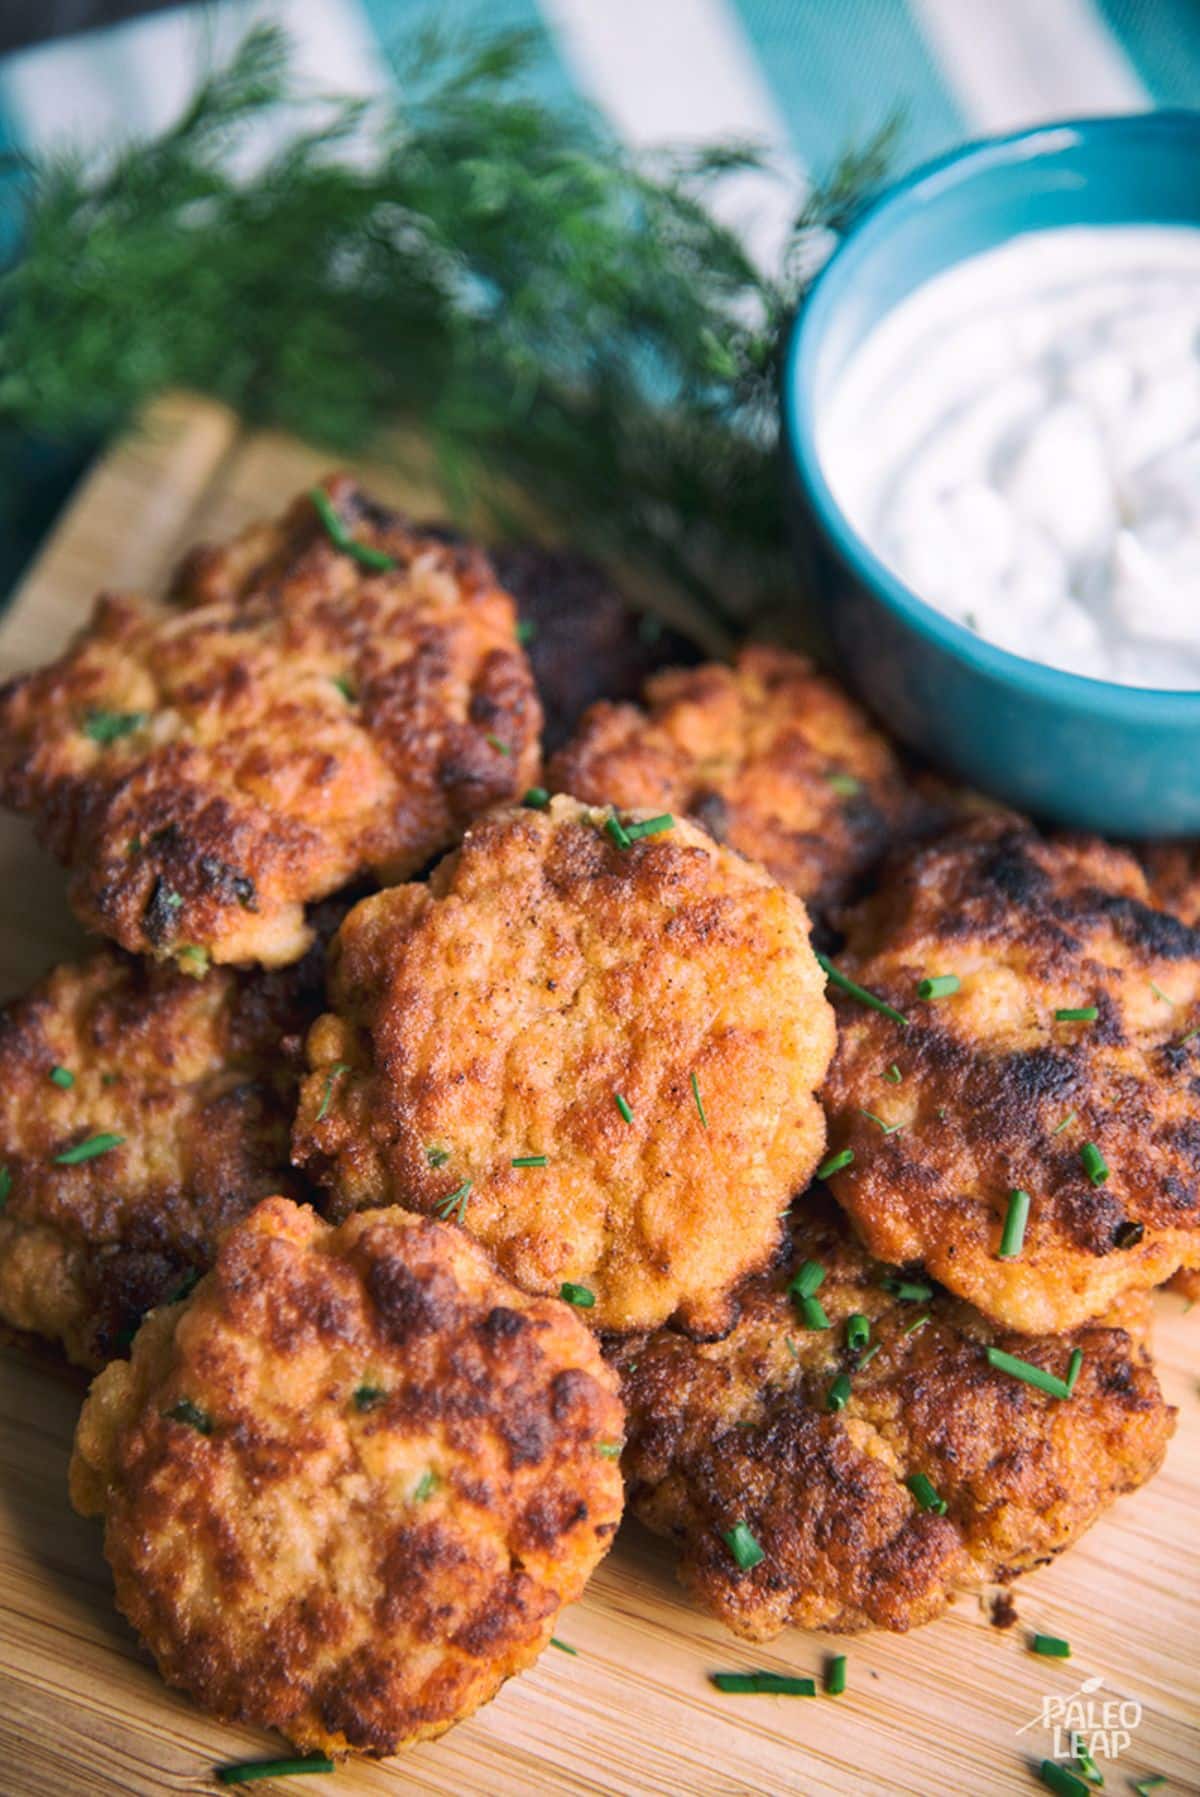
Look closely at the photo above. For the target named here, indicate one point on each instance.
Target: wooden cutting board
(939, 1713)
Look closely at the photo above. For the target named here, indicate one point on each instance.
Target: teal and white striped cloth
(807, 77)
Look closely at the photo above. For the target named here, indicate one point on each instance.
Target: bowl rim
(922, 186)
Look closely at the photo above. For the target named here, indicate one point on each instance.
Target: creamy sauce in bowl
(1019, 441)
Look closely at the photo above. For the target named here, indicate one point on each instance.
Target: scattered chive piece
(500, 747)
(909, 1291)
(893, 1076)
(185, 1288)
(5, 1186)
(926, 1495)
(915, 1327)
(1068, 1119)
(425, 1486)
(812, 1312)
(191, 1414)
(1094, 1163)
(1029, 1374)
(767, 1684)
(889, 1129)
(369, 1397)
(532, 1160)
(835, 1163)
(62, 1076)
(1058, 1779)
(111, 726)
(839, 1393)
(437, 1157)
(338, 1068)
(623, 1107)
(609, 1450)
(1182, 1043)
(1073, 1366)
(1052, 1647)
(250, 1771)
(1077, 1014)
(858, 1332)
(1088, 1766)
(340, 537)
(743, 1546)
(345, 686)
(835, 1675)
(196, 957)
(941, 985)
(791, 1347)
(615, 828)
(87, 1151)
(536, 799)
(699, 1100)
(526, 630)
(845, 785)
(579, 1295)
(864, 997)
(1159, 993)
(456, 1199)
(864, 1360)
(1012, 1239)
(808, 1280)
(650, 826)
(1144, 1785)
(563, 1647)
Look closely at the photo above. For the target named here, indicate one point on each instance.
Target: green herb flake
(1077, 1014)
(564, 1647)
(940, 985)
(1094, 1163)
(650, 826)
(853, 990)
(1088, 1766)
(88, 1150)
(454, 1201)
(340, 536)
(623, 1106)
(191, 1416)
(62, 1077)
(835, 1163)
(846, 786)
(893, 1076)
(742, 1545)
(346, 687)
(838, 1395)
(501, 747)
(5, 1186)
(858, 1332)
(536, 799)
(762, 1684)
(579, 1295)
(615, 829)
(1073, 1366)
(195, 958)
(110, 726)
(1065, 1784)
(369, 1397)
(609, 1450)
(526, 631)
(925, 1493)
(249, 1772)
(1028, 1373)
(531, 1160)
(1051, 1647)
(437, 1157)
(425, 1486)
(1012, 1236)
(809, 1279)
(909, 1291)
(916, 1326)
(334, 1074)
(864, 1360)
(812, 1314)
(699, 1101)
(889, 1129)
(835, 1675)
(1159, 993)
(1065, 1124)
(1155, 1782)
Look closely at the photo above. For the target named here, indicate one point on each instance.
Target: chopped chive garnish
(835, 1675)
(623, 1106)
(437, 1157)
(1094, 1163)
(62, 1076)
(845, 785)
(369, 1397)
(501, 748)
(455, 1200)
(909, 1291)
(915, 1327)
(532, 1160)
(609, 1450)
(791, 1347)
(858, 1332)
(614, 828)
(889, 1129)
(839, 1393)
(195, 957)
(250, 1771)
(765, 1684)
(185, 1288)
(809, 1279)
(536, 799)
(335, 1073)
(1159, 993)
(743, 1546)
(864, 1360)
(1029, 1374)
(1066, 1122)
(1077, 1014)
(563, 1647)
(1088, 1766)
(940, 985)
(1012, 1238)
(111, 726)
(699, 1100)
(835, 1163)
(1183, 1041)
(345, 686)
(1053, 1647)
(87, 1151)
(579, 1295)
(650, 826)
(5, 1186)
(340, 537)
(854, 990)
(425, 1486)
(812, 1313)
(1143, 1786)
(526, 630)
(190, 1414)
(893, 1076)
(926, 1495)
(1073, 1366)
(1056, 1778)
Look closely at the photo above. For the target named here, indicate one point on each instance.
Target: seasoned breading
(742, 1431)
(204, 772)
(349, 1484)
(997, 1094)
(552, 994)
(197, 1077)
(1173, 875)
(770, 756)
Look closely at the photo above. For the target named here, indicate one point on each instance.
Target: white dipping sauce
(1019, 440)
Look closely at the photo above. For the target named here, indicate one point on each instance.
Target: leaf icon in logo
(1091, 1684)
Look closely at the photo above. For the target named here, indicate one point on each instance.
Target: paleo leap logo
(1085, 1727)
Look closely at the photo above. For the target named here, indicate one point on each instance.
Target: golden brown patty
(206, 772)
(1173, 875)
(197, 1077)
(551, 994)
(770, 756)
(349, 1484)
(741, 1432)
(997, 1094)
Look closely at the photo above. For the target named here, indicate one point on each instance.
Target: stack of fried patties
(340, 1191)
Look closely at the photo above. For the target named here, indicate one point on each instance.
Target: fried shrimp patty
(141, 1112)
(348, 1486)
(599, 1056)
(768, 755)
(305, 719)
(993, 1088)
(938, 1471)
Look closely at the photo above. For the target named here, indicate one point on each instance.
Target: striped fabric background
(807, 76)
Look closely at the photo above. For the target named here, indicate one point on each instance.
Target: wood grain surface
(937, 1713)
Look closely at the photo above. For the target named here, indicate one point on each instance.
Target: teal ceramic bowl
(1088, 753)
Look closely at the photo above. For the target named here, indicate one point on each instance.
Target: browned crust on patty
(359, 1572)
(304, 721)
(499, 1011)
(998, 1095)
(740, 1431)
